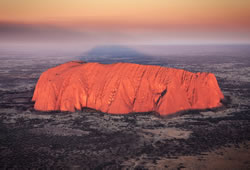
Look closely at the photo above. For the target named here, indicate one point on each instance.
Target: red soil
(123, 88)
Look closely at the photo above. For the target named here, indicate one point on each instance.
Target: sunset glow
(188, 17)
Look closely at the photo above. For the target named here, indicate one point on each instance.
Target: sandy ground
(225, 158)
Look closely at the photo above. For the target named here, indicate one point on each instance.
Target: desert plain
(89, 139)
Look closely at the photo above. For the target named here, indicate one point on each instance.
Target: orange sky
(130, 13)
(118, 15)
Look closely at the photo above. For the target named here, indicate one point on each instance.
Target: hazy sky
(128, 21)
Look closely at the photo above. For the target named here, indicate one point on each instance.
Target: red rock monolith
(123, 88)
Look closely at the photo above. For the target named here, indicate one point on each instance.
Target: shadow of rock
(115, 53)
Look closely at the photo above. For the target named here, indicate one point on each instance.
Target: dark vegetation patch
(108, 149)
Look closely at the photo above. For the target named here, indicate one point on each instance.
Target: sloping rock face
(123, 88)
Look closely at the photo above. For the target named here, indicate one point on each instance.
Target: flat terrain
(88, 139)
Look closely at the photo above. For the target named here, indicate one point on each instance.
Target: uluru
(123, 88)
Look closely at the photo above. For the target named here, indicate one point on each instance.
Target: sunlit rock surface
(124, 88)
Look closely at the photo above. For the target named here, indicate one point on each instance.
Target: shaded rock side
(124, 88)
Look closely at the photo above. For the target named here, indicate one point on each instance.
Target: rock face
(123, 88)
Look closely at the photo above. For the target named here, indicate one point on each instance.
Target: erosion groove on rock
(124, 88)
